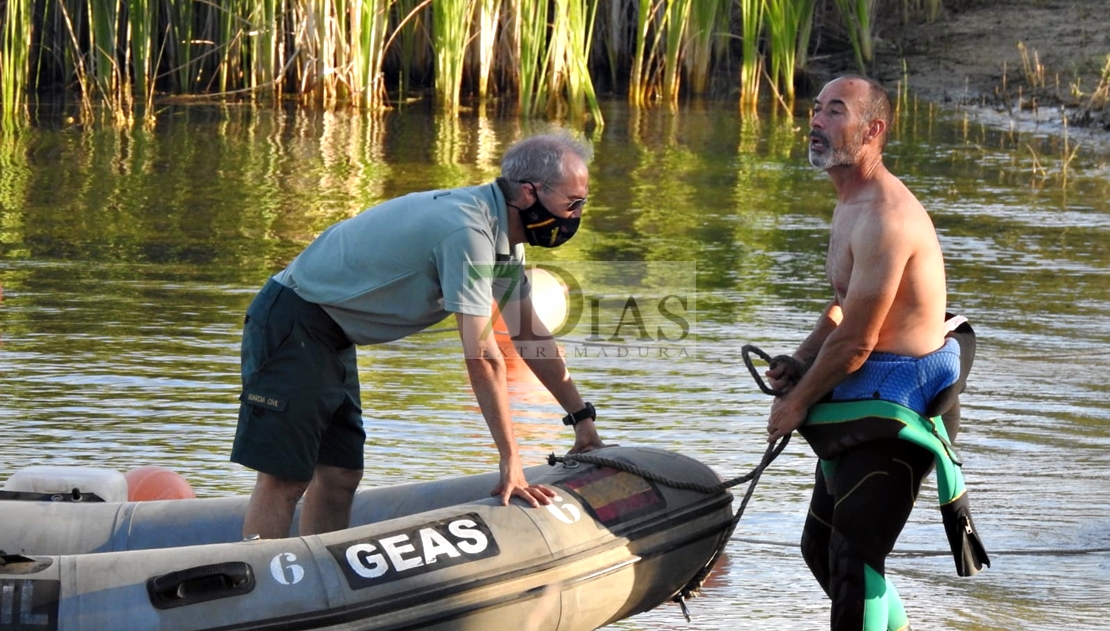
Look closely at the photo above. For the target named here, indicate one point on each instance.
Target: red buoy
(156, 483)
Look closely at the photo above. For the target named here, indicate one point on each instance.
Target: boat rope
(947, 553)
(693, 587)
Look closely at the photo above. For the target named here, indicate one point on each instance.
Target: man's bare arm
(541, 354)
(486, 369)
(879, 257)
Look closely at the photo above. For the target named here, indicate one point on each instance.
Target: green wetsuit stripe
(917, 429)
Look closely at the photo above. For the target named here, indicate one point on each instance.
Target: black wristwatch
(580, 415)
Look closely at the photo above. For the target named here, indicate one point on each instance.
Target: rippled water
(128, 258)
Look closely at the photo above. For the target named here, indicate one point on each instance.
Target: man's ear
(531, 192)
(875, 129)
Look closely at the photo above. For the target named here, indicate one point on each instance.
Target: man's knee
(279, 490)
(337, 479)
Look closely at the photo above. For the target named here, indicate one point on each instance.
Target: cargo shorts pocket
(263, 400)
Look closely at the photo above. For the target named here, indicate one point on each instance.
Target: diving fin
(967, 548)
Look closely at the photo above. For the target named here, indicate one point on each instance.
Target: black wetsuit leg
(855, 520)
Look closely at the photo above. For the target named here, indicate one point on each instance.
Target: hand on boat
(582, 446)
(586, 438)
(534, 494)
(514, 484)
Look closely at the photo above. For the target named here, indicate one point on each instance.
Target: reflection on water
(128, 258)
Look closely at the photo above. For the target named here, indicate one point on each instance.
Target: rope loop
(794, 368)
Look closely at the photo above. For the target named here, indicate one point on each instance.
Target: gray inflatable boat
(619, 539)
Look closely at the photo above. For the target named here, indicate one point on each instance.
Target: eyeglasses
(576, 203)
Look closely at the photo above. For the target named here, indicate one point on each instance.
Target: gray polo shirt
(408, 263)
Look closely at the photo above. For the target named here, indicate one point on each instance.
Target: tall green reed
(451, 21)
(489, 16)
(15, 61)
(677, 19)
(751, 62)
(857, 16)
(639, 82)
(787, 20)
(661, 27)
(181, 40)
(532, 55)
(570, 43)
(370, 54)
(143, 18)
(708, 19)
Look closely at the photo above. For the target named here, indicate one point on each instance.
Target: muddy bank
(1032, 61)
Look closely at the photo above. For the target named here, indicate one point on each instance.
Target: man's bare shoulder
(891, 205)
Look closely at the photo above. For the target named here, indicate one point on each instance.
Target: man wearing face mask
(384, 274)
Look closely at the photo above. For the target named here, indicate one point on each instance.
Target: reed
(569, 74)
(1100, 96)
(409, 33)
(751, 62)
(638, 84)
(450, 33)
(76, 61)
(266, 44)
(612, 40)
(781, 31)
(1033, 69)
(370, 37)
(180, 42)
(857, 16)
(806, 9)
(708, 18)
(676, 23)
(558, 41)
(15, 62)
(1067, 155)
(142, 18)
(489, 15)
(231, 31)
(531, 57)
(109, 75)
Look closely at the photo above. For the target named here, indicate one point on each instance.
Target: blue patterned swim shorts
(909, 381)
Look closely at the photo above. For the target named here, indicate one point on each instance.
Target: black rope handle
(746, 352)
(794, 367)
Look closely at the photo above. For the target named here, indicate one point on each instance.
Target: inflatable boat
(619, 539)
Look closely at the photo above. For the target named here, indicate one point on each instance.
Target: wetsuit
(876, 445)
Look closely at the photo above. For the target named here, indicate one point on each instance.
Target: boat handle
(200, 584)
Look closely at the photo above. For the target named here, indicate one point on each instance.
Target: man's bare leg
(272, 504)
(327, 502)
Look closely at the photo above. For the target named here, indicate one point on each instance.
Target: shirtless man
(887, 315)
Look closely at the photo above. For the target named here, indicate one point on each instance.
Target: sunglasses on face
(575, 203)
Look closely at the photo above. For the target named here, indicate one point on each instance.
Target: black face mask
(545, 229)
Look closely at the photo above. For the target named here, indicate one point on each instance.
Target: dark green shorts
(300, 402)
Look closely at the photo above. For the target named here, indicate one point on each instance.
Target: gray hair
(540, 159)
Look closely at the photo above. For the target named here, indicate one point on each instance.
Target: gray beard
(842, 156)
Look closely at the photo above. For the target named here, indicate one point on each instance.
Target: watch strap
(580, 415)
